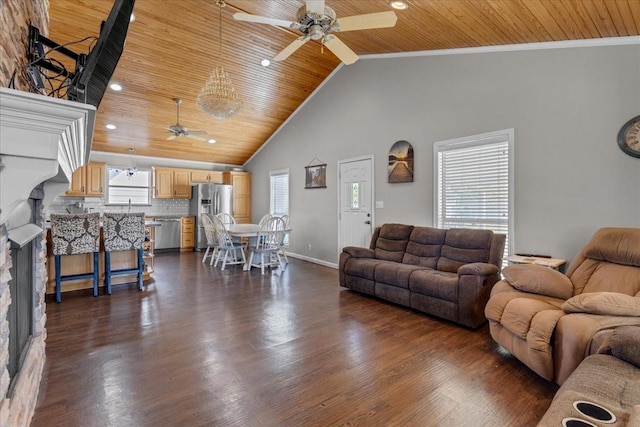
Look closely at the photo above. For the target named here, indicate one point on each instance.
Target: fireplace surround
(42, 141)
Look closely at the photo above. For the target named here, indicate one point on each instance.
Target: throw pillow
(607, 303)
(538, 279)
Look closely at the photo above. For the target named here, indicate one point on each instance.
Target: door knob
(367, 222)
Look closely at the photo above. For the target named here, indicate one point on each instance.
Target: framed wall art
(401, 162)
(315, 176)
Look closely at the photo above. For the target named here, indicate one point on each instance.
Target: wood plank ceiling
(173, 46)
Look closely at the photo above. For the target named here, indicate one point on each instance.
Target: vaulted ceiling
(173, 45)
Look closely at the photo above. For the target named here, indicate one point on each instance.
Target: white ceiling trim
(609, 41)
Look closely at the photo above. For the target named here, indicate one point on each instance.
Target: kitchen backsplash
(65, 204)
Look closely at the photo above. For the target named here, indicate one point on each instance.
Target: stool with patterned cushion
(72, 235)
(123, 232)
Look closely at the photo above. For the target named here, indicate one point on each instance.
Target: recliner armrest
(478, 269)
(358, 252)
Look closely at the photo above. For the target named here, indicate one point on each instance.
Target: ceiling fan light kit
(316, 21)
(218, 97)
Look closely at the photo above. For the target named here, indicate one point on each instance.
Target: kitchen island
(77, 264)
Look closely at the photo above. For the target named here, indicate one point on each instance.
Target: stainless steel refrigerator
(212, 199)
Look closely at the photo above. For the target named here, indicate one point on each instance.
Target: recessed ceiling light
(265, 62)
(399, 5)
(211, 141)
(110, 126)
(116, 87)
(132, 17)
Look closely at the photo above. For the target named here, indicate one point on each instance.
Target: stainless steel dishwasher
(168, 233)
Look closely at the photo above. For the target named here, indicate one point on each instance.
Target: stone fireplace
(42, 141)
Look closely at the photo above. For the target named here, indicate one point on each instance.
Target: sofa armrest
(603, 303)
(538, 279)
(358, 252)
(478, 269)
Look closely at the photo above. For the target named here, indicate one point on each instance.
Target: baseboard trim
(313, 260)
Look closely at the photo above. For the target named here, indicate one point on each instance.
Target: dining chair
(227, 247)
(267, 244)
(123, 231)
(285, 241)
(73, 234)
(264, 218)
(212, 242)
(226, 218)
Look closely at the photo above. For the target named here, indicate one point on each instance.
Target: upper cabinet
(171, 183)
(241, 182)
(87, 180)
(213, 177)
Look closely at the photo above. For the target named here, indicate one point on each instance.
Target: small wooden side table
(555, 263)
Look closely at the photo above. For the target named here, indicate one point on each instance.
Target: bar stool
(123, 232)
(73, 234)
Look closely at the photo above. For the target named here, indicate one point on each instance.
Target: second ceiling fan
(316, 21)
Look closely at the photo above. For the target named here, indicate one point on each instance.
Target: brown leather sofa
(446, 273)
(550, 321)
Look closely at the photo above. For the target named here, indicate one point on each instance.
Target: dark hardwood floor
(204, 347)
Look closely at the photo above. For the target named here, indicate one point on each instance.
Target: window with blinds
(474, 183)
(279, 193)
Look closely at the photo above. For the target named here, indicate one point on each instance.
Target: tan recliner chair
(550, 321)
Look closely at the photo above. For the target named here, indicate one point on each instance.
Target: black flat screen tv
(91, 79)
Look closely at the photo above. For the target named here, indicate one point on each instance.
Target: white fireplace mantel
(41, 139)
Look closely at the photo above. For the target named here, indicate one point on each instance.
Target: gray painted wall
(566, 106)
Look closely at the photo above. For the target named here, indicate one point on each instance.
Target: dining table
(250, 232)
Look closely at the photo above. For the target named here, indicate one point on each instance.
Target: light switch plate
(379, 204)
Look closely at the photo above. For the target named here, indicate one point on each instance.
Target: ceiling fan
(179, 130)
(316, 21)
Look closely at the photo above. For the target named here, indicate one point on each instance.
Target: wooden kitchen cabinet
(214, 177)
(171, 183)
(241, 182)
(87, 180)
(187, 233)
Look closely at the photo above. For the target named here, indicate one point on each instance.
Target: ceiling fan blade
(197, 138)
(171, 137)
(264, 20)
(315, 6)
(367, 21)
(340, 49)
(287, 51)
(197, 132)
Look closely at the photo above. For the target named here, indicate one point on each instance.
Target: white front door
(355, 216)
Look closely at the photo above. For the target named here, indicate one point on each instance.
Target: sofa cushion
(464, 246)
(439, 284)
(605, 303)
(538, 279)
(395, 274)
(616, 245)
(425, 244)
(362, 267)
(392, 241)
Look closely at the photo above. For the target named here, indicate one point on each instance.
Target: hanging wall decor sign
(315, 175)
(401, 162)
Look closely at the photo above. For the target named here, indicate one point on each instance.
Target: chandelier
(218, 97)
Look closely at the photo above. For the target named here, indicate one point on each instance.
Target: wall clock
(629, 137)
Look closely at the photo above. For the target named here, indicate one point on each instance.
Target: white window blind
(279, 193)
(473, 183)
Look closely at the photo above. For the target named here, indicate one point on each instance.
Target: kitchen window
(474, 183)
(128, 186)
